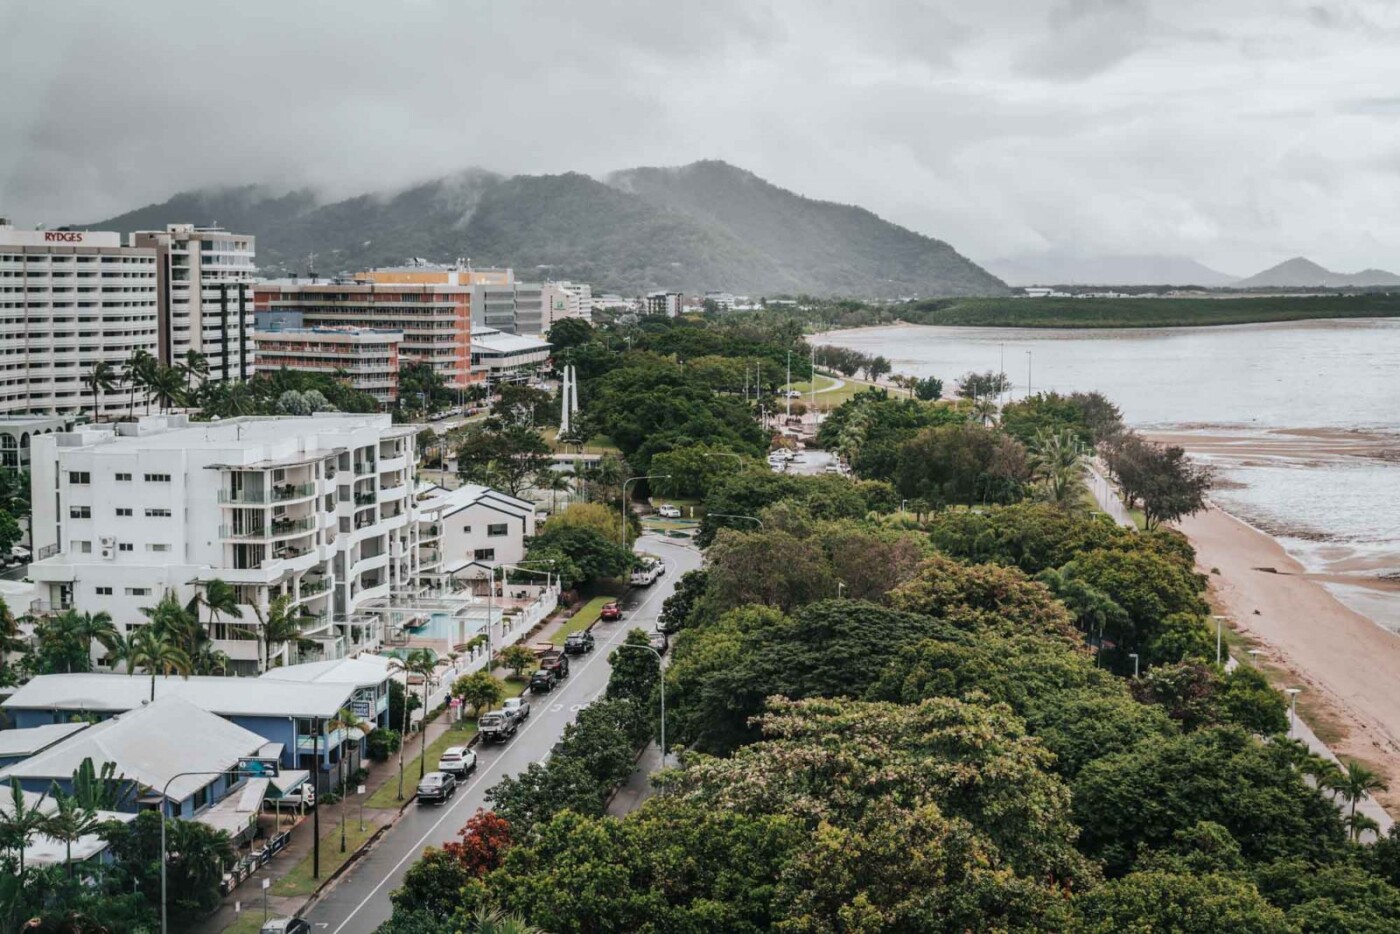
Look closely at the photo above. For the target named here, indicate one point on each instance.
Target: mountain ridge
(703, 226)
(1302, 273)
(1055, 268)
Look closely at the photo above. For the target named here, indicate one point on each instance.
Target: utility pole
(316, 788)
(814, 384)
(787, 396)
(1028, 374)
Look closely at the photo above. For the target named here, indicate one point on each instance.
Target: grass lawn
(586, 616)
(599, 444)
(251, 919)
(299, 881)
(385, 796)
(822, 383)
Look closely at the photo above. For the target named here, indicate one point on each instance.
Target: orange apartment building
(435, 318)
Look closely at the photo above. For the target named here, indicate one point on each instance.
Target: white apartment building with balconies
(205, 297)
(319, 509)
(70, 299)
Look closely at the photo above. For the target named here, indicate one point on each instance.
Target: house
(21, 744)
(152, 746)
(464, 533)
(43, 850)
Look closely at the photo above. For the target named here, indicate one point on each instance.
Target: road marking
(416, 850)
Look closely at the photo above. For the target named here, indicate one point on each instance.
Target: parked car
(646, 573)
(436, 787)
(517, 708)
(542, 682)
(285, 926)
(659, 641)
(495, 727)
(579, 643)
(611, 613)
(794, 394)
(457, 761)
(555, 662)
(668, 511)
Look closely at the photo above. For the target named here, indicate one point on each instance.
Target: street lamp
(1254, 656)
(737, 457)
(1219, 627)
(1292, 708)
(658, 476)
(840, 589)
(265, 768)
(727, 515)
(662, 678)
(1134, 657)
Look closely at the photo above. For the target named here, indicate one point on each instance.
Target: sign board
(267, 883)
(359, 789)
(259, 766)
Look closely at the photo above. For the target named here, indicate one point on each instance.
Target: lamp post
(164, 793)
(662, 679)
(727, 515)
(1219, 630)
(659, 476)
(1134, 657)
(840, 589)
(1293, 709)
(1254, 657)
(1028, 374)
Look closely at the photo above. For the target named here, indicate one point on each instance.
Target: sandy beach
(1336, 654)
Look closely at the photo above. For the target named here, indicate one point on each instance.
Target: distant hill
(1302, 273)
(706, 226)
(1063, 269)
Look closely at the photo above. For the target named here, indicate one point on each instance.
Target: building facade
(497, 355)
(464, 533)
(435, 318)
(203, 290)
(68, 301)
(318, 509)
(367, 358)
(567, 300)
(670, 304)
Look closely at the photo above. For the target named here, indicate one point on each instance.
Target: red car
(611, 613)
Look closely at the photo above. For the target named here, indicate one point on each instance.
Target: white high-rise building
(567, 300)
(320, 509)
(205, 296)
(70, 299)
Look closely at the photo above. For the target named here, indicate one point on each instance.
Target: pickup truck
(495, 727)
(517, 708)
(542, 682)
(578, 643)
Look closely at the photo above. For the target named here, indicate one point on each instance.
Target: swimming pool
(451, 629)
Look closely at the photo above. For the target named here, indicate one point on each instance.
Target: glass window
(497, 529)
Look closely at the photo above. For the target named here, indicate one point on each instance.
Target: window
(157, 513)
(158, 546)
(80, 512)
(496, 530)
(486, 554)
(123, 510)
(466, 530)
(104, 591)
(125, 546)
(138, 591)
(79, 476)
(125, 477)
(201, 798)
(82, 548)
(157, 478)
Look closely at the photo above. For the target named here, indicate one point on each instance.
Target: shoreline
(1348, 662)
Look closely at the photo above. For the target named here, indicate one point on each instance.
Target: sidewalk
(249, 895)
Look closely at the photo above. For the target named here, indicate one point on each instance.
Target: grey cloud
(1228, 130)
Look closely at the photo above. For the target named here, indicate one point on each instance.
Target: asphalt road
(359, 901)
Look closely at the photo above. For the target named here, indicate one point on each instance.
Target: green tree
(193, 366)
(423, 663)
(635, 672)
(20, 822)
(1355, 783)
(166, 385)
(280, 625)
(685, 601)
(1057, 463)
(101, 379)
(567, 333)
(517, 658)
(69, 822)
(964, 463)
(507, 458)
(155, 652)
(140, 367)
(772, 568)
(1174, 903)
(929, 389)
(480, 690)
(1159, 477)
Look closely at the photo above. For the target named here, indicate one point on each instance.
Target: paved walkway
(638, 788)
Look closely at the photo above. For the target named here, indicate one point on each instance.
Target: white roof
(362, 671)
(441, 500)
(45, 850)
(228, 697)
(501, 342)
(29, 741)
(150, 745)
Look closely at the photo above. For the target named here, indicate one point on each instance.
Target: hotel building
(69, 300)
(367, 358)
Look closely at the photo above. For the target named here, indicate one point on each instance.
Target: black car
(579, 643)
(436, 786)
(542, 682)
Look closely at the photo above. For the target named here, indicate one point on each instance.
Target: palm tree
(10, 641)
(345, 719)
(167, 386)
(554, 482)
(1355, 783)
(419, 662)
(488, 921)
(153, 650)
(280, 625)
(194, 364)
(1057, 461)
(69, 822)
(19, 822)
(220, 598)
(207, 660)
(103, 790)
(137, 375)
(100, 380)
(176, 623)
(984, 410)
(87, 628)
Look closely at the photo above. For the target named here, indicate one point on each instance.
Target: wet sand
(1338, 654)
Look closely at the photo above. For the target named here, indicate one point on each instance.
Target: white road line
(417, 848)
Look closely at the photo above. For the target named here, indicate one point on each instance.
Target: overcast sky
(1238, 132)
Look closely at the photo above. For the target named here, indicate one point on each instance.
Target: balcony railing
(311, 588)
(365, 499)
(279, 493)
(275, 529)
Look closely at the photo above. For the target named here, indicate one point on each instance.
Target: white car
(457, 761)
(668, 511)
